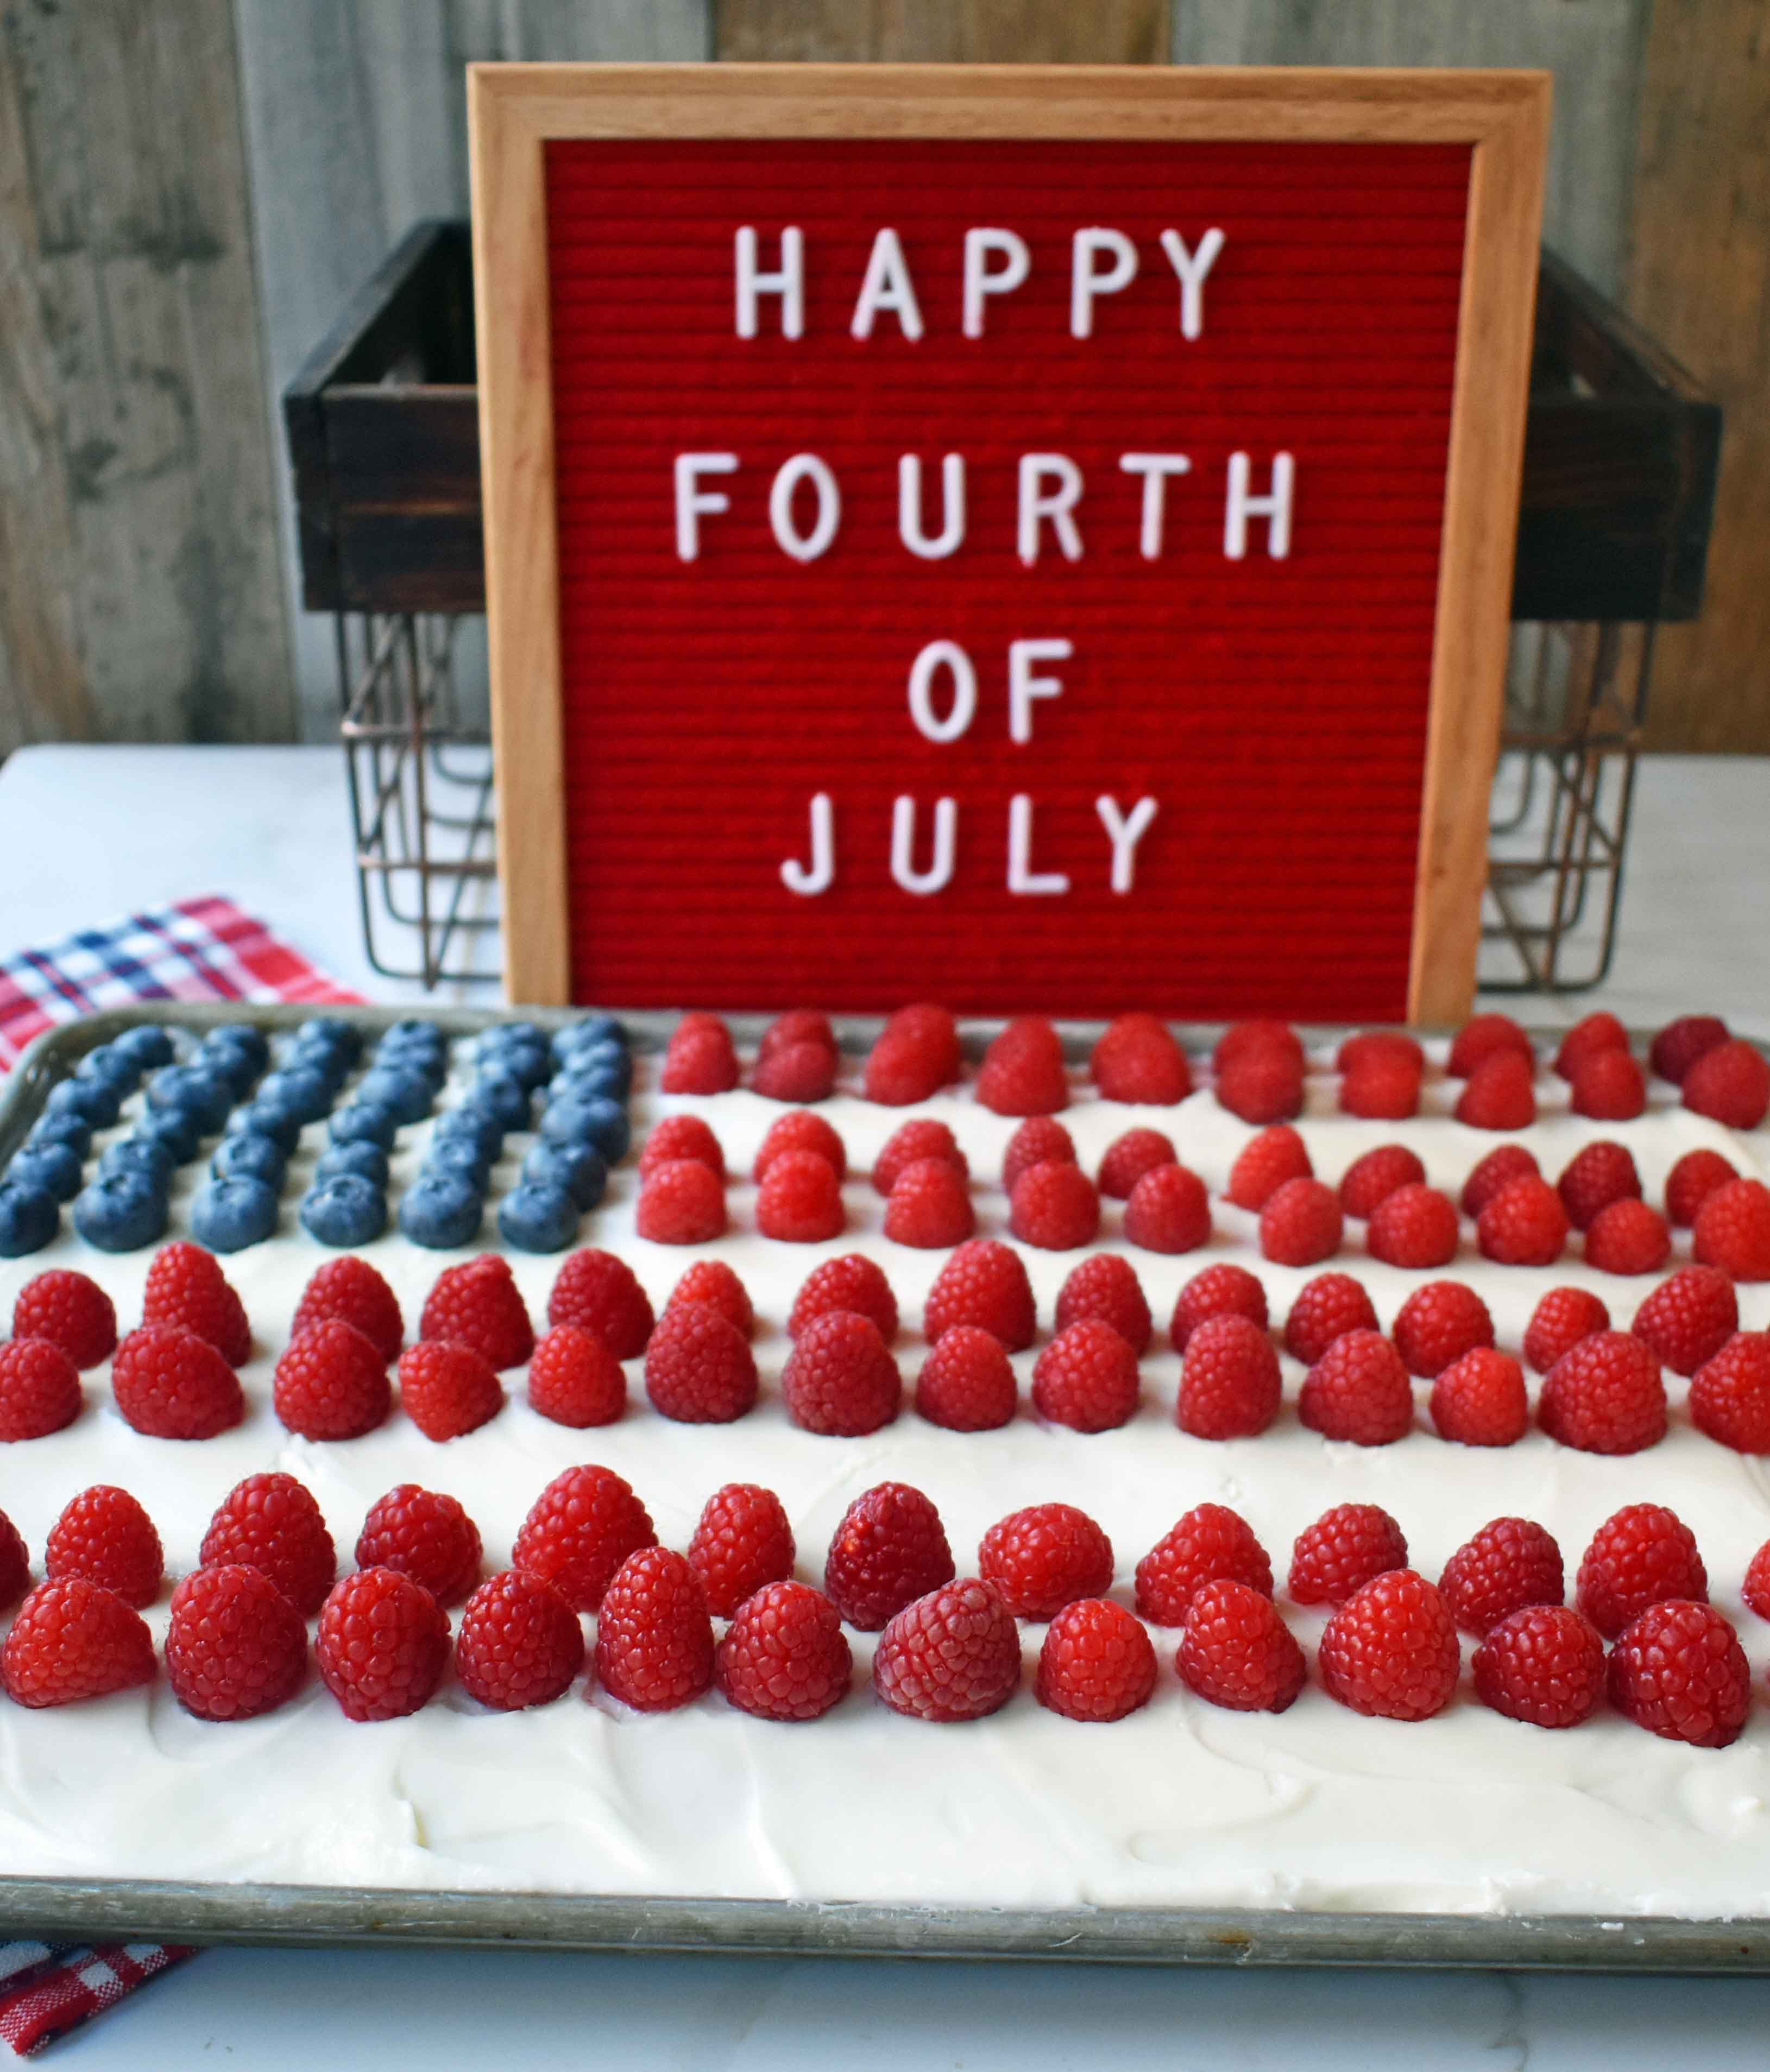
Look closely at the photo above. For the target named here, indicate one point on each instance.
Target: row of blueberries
(228, 1084)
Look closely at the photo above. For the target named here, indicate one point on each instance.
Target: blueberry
(503, 1095)
(348, 1209)
(91, 1100)
(442, 1211)
(415, 1029)
(578, 1168)
(229, 1214)
(248, 1156)
(56, 1168)
(330, 1060)
(593, 1029)
(334, 1029)
(234, 1062)
(511, 1032)
(530, 1063)
(121, 1214)
(478, 1125)
(205, 1097)
(538, 1217)
(429, 1047)
(298, 1090)
(458, 1157)
(75, 1131)
(367, 1161)
(603, 1061)
(249, 1041)
(601, 1081)
(263, 1118)
(176, 1128)
(365, 1122)
(147, 1155)
(598, 1121)
(114, 1067)
(406, 1095)
(147, 1046)
(29, 1218)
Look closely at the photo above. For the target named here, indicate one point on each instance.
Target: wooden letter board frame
(516, 110)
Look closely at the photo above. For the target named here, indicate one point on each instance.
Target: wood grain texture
(1699, 280)
(142, 599)
(950, 31)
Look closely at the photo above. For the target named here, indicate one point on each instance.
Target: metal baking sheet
(137, 1909)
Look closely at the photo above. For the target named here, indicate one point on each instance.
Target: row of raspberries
(1258, 1067)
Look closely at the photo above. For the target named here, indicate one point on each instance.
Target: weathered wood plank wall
(945, 31)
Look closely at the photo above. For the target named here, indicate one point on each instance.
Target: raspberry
(1141, 1064)
(681, 1137)
(1544, 1665)
(1482, 1036)
(520, 1643)
(1688, 1317)
(699, 1059)
(1479, 1400)
(382, 1645)
(14, 1562)
(1128, 1158)
(889, 1549)
(1732, 1230)
(350, 1289)
(1679, 1671)
(1023, 1072)
(916, 1055)
(426, 1535)
(1559, 1321)
(1680, 1043)
(1415, 1227)
(840, 1379)
(601, 1292)
(1628, 1237)
(1358, 1390)
(70, 1311)
(1379, 1173)
(654, 1639)
(1096, 1663)
(234, 1646)
(1438, 1324)
(952, 1655)
(1500, 1094)
(172, 1384)
(743, 1541)
(1589, 1039)
(851, 1282)
(1730, 1084)
(681, 1202)
(1237, 1652)
(699, 1369)
(579, 1530)
(930, 1207)
(1372, 1046)
(575, 1380)
(1211, 1543)
(1504, 1163)
(784, 1655)
(1326, 1309)
(271, 1523)
(1523, 1225)
(1040, 1141)
(104, 1536)
(1230, 1387)
(1264, 1164)
(1510, 1563)
(800, 1132)
(447, 1390)
(1056, 1207)
(1729, 1395)
(1342, 1551)
(73, 1640)
(984, 1283)
(1640, 1556)
(1756, 1592)
(1301, 1224)
(800, 1200)
(1261, 1084)
(910, 1145)
(797, 1025)
(966, 1383)
(795, 1072)
(1044, 1557)
(1691, 1181)
(1168, 1212)
(1603, 1173)
(331, 1384)
(1256, 1037)
(1106, 1286)
(1223, 1290)
(1609, 1088)
(1604, 1396)
(186, 1286)
(1391, 1651)
(477, 1304)
(1383, 1088)
(1086, 1378)
(712, 1282)
(39, 1389)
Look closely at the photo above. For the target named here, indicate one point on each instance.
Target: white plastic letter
(804, 467)
(887, 286)
(1274, 508)
(943, 655)
(951, 535)
(980, 279)
(1021, 877)
(691, 500)
(788, 281)
(1155, 469)
(809, 880)
(1124, 831)
(1023, 686)
(939, 874)
(1058, 505)
(1087, 281)
(1191, 267)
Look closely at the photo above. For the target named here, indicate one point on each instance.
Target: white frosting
(1180, 1804)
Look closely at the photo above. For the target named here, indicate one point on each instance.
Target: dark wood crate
(1620, 453)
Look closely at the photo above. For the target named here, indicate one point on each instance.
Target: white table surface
(91, 832)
